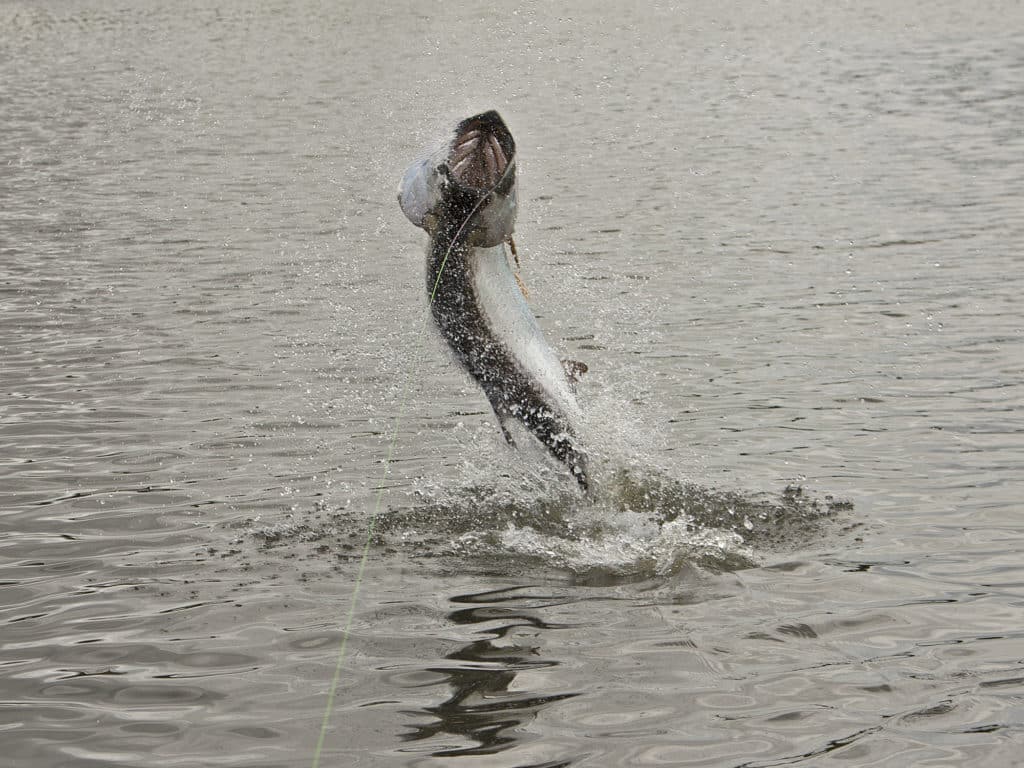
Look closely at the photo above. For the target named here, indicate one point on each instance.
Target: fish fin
(574, 369)
(512, 247)
(508, 435)
(502, 422)
(522, 285)
(516, 268)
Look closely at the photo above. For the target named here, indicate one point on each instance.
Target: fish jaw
(469, 176)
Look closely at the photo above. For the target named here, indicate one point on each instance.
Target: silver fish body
(463, 193)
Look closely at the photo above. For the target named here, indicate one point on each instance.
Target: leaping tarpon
(463, 194)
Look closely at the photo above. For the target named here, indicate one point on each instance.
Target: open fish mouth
(482, 152)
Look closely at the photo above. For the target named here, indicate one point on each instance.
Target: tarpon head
(468, 182)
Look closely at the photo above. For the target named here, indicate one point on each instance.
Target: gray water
(785, 238)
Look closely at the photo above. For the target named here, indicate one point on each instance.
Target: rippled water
(786, 240)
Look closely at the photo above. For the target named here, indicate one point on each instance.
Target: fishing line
(403, 402)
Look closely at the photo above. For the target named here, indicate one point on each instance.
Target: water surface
(785, 239)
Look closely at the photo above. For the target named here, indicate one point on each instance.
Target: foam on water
(640, 547)
(640, 524)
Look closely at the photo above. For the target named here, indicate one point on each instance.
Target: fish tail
(564, 446)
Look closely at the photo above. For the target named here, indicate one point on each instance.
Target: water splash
(641, 524)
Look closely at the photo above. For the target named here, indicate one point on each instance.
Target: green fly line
(403, 402)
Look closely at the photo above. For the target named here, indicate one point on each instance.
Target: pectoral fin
(516, 268)
(573, 370)
(502, 415)
(522, 286)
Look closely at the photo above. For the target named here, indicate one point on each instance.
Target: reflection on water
(785, 239)
(482, 710)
